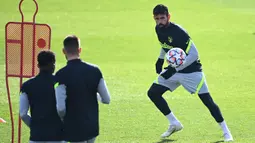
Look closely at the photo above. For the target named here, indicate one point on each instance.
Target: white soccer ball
(175, 57)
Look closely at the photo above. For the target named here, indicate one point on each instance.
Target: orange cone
(2, 120)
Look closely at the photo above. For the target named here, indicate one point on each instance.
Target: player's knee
(156, 91)
(154, 96)
(150, 93)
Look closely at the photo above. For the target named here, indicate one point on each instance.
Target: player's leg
(195, 83)
(157, 89)
(216, 113)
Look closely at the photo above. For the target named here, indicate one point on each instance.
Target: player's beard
(161, 25)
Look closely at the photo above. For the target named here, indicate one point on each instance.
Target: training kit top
(77, 103)
(39, 94)
(174, 36)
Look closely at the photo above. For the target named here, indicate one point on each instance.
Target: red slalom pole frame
(22, 49)
(21, 67)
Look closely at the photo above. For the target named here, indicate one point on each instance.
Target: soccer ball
(175, 57)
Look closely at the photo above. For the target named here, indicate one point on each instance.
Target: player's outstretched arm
(160, 61)
(23, 109)
(103, 92)
(60, 92)
(192, 56)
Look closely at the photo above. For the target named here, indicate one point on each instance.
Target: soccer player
(189, 74)
(77, 100)
(38, 93)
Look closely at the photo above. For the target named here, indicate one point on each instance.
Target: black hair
(71, 44)
(160, 9)
(46, 58)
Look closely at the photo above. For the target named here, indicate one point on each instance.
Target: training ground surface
(119, 36)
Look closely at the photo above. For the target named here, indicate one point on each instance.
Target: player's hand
(170, 68)
(159, 65)
(170, 71)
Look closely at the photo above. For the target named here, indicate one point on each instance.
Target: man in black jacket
(38, 93)
(79, 86)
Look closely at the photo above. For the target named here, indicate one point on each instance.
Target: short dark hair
(71, 44)
(160, 9)
(46, 58)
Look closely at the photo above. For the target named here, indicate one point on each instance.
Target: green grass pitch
(119, 36)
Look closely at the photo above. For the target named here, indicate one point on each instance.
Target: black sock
(155, 94)
(213, 108)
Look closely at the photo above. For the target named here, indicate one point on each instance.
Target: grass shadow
(221, 141)
(165, 141)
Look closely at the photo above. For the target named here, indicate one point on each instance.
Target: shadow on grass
(165, 141)
(221, 141)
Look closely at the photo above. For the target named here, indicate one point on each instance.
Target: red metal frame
(7, 86)
(33, 69)
(21, 76)
(21, 63)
